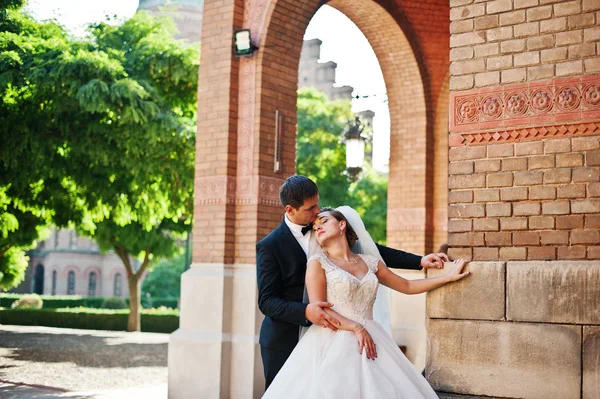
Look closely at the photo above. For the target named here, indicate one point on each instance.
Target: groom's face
(307, 213)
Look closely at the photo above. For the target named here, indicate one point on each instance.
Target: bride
(360, 360)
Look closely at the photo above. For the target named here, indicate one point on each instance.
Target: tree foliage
(98, 133)
(165, 278)
(321, 155)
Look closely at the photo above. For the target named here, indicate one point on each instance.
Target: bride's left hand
(365, 341)
(455, 273)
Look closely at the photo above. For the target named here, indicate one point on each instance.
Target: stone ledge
(566, 292)
(477, 297)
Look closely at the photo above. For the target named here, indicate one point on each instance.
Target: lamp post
(355, 149)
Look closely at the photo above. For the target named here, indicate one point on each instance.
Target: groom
(281, 265)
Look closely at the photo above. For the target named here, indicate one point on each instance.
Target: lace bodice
(351, 297)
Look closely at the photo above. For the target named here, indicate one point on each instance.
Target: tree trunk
(134, 320)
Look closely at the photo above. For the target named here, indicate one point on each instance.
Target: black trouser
(273, 361)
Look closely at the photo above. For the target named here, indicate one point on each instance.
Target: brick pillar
(200, 350)
(524, 194)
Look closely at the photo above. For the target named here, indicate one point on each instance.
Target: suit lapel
(288, 238)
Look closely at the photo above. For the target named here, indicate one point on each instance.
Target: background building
(320, 75)
(187, 14)
(68, 264)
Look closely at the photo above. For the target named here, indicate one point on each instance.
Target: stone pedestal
(214, 353)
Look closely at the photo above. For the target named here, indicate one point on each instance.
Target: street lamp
(355, 149)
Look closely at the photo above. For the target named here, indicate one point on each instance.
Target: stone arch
(89, 269)
(68, 268)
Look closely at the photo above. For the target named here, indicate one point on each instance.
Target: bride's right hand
(456, 273)
(366, 342)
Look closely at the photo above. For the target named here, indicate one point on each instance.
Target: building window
(54, 282)
(55, 238)
(92, 284)
(38, 280)
(73, 240)
(71, 283)
(118, 285)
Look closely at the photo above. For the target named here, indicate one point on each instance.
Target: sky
(343, 43)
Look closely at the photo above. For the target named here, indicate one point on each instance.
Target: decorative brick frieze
(244, 190)
(529, 111)
(530, 133)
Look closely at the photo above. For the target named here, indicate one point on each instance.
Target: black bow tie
(307, 228)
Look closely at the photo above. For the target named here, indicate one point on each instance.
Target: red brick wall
(527, 200)
(216, 135)
(502, 42)
(524, 169)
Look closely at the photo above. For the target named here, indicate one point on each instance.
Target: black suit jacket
(280, 273)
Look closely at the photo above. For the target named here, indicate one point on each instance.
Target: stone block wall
(517, 330)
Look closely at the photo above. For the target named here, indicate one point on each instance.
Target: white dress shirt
(307, 241)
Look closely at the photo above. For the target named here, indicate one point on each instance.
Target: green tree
(320, 152)
(23, 213)
(164, 280)
(321, 155)
(107, 126)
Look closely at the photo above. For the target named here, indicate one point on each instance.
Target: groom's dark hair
(296, 189)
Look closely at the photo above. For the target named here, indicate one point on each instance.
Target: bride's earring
(341, 232)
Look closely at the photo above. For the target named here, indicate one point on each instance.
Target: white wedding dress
(328, 365)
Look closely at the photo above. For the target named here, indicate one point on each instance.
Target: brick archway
(236, 185)
(246, 124)
(414, 110)
(410, 216)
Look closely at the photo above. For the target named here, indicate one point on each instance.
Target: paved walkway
(45, 363)
(58, 363)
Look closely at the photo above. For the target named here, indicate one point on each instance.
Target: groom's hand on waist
(316, 315)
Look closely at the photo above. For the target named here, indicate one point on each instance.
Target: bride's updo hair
(350, 234)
